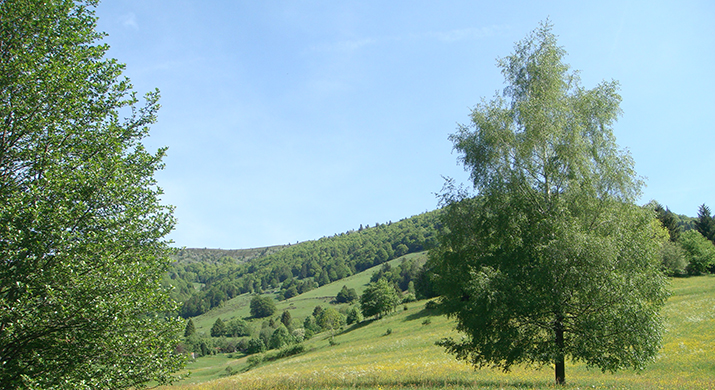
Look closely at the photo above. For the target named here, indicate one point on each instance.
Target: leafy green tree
(255, 346)
(218, 329)
(705, 223)
(379, 298)
(346, 295)
(190, 328)
(81, 225)
(674, 259)
(238, 327)
(262, 306)
(354, 316)
(309, 324)
(280, 337)
(700, 252)
(330, 319)
(552, 259)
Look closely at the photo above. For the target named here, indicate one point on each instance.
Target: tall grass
(368, 358)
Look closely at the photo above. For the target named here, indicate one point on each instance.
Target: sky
(287, 121)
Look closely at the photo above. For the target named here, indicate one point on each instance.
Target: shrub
(280, 337)
(262, 306)
(354, 316)
(674, 259)
(255, 346)
(700, 251)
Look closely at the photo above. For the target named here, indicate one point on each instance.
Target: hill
(200, 285)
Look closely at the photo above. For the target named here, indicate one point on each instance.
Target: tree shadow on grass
(421, 314)
(356, 326)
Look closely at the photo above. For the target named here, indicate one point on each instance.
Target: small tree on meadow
(346, 295)
(379, 298)
(331, 319)
(280, 337)
(218, 329)
(262, 306)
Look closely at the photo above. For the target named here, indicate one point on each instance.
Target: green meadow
(399, 352)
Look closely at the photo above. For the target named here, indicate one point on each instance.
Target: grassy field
(369, 356)
(300, 306)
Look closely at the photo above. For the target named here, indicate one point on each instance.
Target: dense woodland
(203, 279)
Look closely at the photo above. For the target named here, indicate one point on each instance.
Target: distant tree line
(302, 267)
(688, 244)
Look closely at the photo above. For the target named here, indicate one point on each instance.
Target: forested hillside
(203, 279)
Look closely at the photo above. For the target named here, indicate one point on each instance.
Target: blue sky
(287, 121)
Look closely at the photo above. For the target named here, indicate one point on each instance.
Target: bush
(674, 259)
(287, 351)
(280, 337)
(700, 250)
(354, 316)
(346, 295)
(255, 346)
(262, 306)
(331, 319)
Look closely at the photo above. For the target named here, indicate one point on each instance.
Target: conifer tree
(218, 329)
(190, 329)
(705, 223)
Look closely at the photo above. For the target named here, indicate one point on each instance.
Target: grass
(300, 306)
(366, 357)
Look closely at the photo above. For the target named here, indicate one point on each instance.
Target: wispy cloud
(470, 33)
(129, 21)
(345, 45)
(463, 34)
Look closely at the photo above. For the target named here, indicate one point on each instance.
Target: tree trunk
(559, 363)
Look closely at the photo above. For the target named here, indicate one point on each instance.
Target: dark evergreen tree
(669, 221)
(218, 329)
(287, 320)
(190, 329)
(705, 223)
(346, 295)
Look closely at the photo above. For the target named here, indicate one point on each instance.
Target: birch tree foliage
(551, 259)
(82, 229)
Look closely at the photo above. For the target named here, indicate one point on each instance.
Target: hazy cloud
(470, 33)
(129, 21)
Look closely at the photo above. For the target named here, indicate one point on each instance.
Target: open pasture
(367, 357)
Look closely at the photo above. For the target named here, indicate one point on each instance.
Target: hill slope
(303, 266)
(366, 356)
